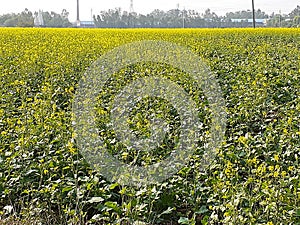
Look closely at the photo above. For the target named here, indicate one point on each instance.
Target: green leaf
(113, 186)
(113, 205)
(183, 220)
(96, 199)
(66, 189)
(167, 211)
(202, 210)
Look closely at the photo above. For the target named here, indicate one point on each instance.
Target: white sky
(145, 6)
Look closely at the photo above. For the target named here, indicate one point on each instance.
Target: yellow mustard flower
(276, 157)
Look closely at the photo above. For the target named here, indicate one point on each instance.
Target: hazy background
(220, 7)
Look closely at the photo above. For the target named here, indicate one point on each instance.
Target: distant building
(257, 21)
(85, 24)
(38, 19)
(76, 24)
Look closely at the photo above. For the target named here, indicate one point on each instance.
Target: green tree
(53, 19)
(296, 21)
(25, 19)
(295, 12)
(11, 21)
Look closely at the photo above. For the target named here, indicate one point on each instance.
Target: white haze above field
(89, 7)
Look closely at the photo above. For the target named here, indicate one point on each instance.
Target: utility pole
(253, 14)
(78, 20)
(183, 18)
(279, 18)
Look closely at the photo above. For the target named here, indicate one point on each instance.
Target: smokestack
(78, 20)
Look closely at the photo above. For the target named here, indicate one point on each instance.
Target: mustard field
(252, 179)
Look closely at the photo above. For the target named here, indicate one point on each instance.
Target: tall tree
(25, 19)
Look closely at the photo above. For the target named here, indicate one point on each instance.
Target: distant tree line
(190, 18)
(52, 19)
(23, 19)
(26, 19)
(290, 20)
(175, 18)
